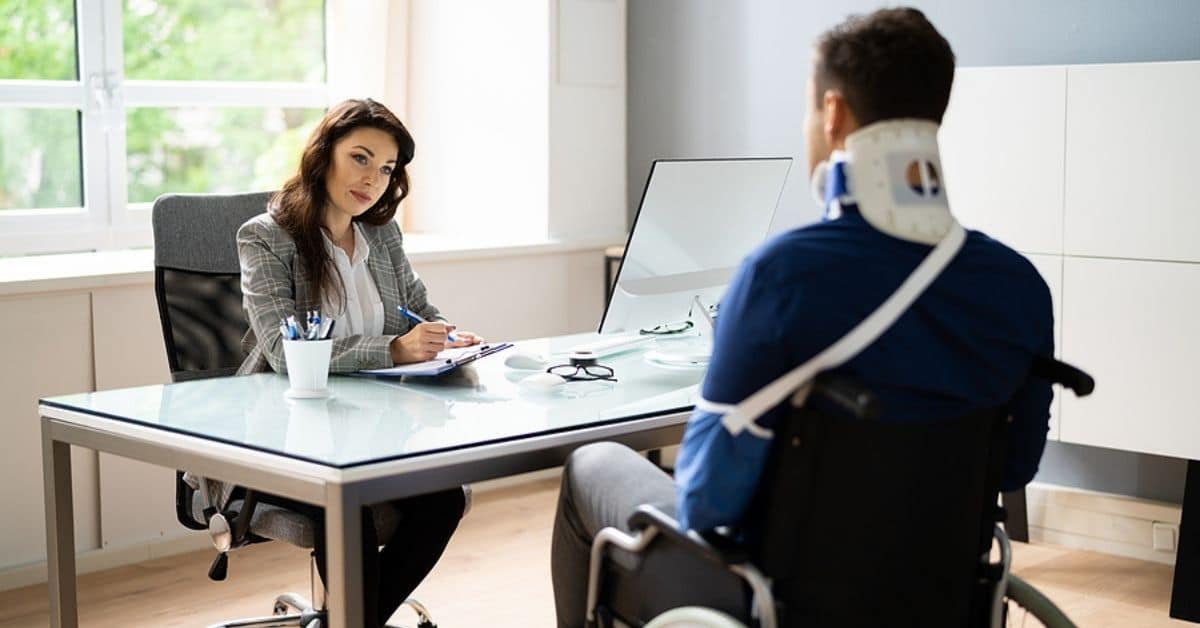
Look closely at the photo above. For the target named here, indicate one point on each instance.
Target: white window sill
(102, 269)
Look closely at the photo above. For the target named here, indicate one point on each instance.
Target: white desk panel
(1050, 267)
(1132, 188)
(1001, 144)
(1133, 326)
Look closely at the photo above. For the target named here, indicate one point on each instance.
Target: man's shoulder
(989, 254)
(813, 251)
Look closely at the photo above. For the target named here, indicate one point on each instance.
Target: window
(106, 104)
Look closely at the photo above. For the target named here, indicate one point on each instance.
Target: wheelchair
(863, 523)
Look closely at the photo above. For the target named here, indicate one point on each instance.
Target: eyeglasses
(667, 329)
(583, 370)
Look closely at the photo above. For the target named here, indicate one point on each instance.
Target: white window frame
(102, 96)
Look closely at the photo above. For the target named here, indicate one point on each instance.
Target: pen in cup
(416, 318)
(317, 328)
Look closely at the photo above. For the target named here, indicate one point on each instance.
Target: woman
(329, 242)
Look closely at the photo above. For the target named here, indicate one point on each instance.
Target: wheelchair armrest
(710, 544)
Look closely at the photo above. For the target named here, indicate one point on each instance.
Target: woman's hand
(464, 338)
(421, 343)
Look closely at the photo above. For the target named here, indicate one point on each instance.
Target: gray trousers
(602, 485)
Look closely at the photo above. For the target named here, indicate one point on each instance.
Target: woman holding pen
(328, 242)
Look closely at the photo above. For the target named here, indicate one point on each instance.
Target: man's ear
(837, 118)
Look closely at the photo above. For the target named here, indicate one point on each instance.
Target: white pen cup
(307, 367)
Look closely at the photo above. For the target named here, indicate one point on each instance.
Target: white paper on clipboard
(446, 360)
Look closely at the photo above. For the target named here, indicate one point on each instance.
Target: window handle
(105, 91)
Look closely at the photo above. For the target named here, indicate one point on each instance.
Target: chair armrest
(183, 504)
(711, 544)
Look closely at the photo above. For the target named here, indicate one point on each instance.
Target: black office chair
(197, 283)
(866, 523)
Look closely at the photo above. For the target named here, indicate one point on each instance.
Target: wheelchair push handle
(852, 396)
(1062, 373)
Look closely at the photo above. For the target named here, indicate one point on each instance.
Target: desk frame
(342, 492)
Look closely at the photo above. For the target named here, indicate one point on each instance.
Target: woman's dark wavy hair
(299, 205)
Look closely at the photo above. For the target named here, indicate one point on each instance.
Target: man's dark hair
(888, 64)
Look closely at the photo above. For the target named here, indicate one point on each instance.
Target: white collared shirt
(364, 309)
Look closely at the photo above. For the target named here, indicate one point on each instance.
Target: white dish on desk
(679, 359)
(293, 393)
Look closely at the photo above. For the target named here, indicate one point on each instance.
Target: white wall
(518, 110)
(366, 51)
(478, 109)
(587, 120)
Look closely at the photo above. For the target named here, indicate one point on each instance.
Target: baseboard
(1099, 522)
(107, 558)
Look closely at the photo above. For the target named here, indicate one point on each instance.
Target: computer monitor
(698, 219)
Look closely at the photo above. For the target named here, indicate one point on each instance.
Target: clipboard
(447, 360)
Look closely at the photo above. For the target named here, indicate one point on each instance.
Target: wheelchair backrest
(867, 523)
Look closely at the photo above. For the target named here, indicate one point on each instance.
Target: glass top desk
(372, 440)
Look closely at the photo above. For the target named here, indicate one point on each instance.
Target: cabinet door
(1133, 326)
(1050, 267)
(1002, 150)
(1132, 188)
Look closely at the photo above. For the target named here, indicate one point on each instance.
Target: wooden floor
(496, 573)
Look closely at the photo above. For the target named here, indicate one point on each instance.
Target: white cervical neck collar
(892, 172)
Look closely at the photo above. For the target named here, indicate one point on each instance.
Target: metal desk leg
(1185, 592)
(60, 530)
(1017, 524)
(343, 535)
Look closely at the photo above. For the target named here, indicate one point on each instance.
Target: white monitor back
(697, 221)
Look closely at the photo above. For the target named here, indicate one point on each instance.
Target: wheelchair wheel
(694, 617)
(1026, 606)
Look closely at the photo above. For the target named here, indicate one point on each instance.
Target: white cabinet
(1002, 150)
(1091, 172)
(1134, 326)
(1132, 180)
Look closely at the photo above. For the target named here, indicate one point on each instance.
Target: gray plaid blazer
(275, 286)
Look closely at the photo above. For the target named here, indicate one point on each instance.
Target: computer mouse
(542, 382)
(526, 361)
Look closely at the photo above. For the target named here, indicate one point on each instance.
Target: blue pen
(414, 317)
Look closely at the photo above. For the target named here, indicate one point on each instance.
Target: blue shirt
(965, 345)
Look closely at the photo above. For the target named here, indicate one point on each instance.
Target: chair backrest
(868, 523)
(197, 284)
(197, 280)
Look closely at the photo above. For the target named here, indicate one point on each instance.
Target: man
(964, 345)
